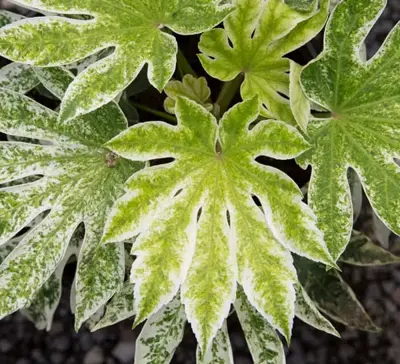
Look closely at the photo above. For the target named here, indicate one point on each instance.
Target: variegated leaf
(333, 296)
(264, 344)
(299, 103)
(120, 307)
(307, 312)
(363, 251)
(16, 76)
(193, 88)
(220, 351)
(197, 220)
(45, 303)
(256, 37)
(73, 165)
(161, 335)
(361, 133)
(133, 28)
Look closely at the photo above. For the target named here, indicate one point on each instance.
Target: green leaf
(264, 344)
(363, 251)
(119, 308)
(197, 220)
(134, 29)
(333, 296)
(307, 312)
(220, 351)
(193, 88)
(256, 37)
(161, 335)
(362, 131)
(73, 165)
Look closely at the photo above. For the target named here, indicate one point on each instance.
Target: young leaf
(133, 28)
(220, 351)
(333, 296)
(264, 344)
(193, 88)
(256, 37)
(73, 167)
(361, 133)
(161, 334)
(364, 252)
(197, 219)
(307, 312)
(120, 307)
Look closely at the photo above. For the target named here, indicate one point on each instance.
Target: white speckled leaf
(193, 88)
(198, 223)
(46, 300)
(362, 132)
(161, 335)
(72, 167)
(307, 312)
(119, 308)
(333, 296)
(362, 251)
(260, 33)
(134, 29)
(262, 340)
(220, 351)
(18, 77)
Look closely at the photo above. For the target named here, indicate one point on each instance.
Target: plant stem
(184, 66)
(228, 92)
(161, 114)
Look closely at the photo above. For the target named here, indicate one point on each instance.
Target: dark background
(377, 288)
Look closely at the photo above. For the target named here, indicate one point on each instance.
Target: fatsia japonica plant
(191, 218)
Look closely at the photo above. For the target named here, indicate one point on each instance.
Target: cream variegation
(256, 37)
(134, 29)
(362, 131)
(199, 227)
(73, 163)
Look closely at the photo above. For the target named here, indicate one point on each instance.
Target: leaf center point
(111, 159)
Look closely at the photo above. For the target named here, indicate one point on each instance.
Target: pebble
(94, 356)
(124, 352)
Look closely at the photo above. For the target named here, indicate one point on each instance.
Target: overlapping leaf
(256, 37)
(132, 28)
(362, 131)
(198, 221)
(72, 167)
(332, 295)
(161, 334)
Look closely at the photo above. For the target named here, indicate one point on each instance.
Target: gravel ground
(377, 288)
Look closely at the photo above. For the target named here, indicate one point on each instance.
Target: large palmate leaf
(256, 37)
(72, 166)
(362, 131)
(198, 221)
(134, 28)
